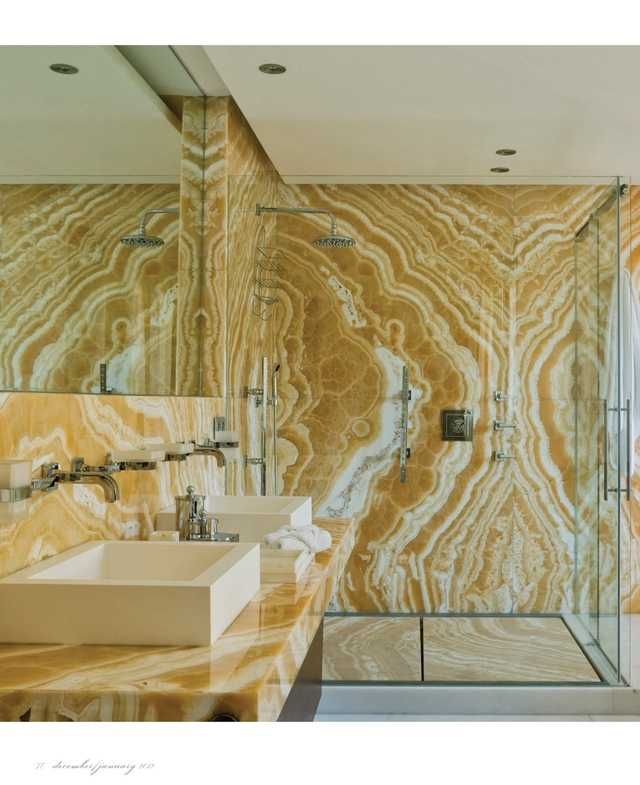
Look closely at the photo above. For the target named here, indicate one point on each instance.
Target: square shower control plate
(457, 425)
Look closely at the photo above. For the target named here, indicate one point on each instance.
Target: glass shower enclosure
(602, 438)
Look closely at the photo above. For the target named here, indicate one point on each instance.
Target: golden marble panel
(67, 228)
(213, 333)
(503, 649)
(73, 296)
(44, 427)
(248, 671)
(366, 648)
(190, 321)
(470, 287)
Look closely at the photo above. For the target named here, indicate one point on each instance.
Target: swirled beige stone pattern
(472, 288)
(238, 175)
(73, 296)
(55, 428)
(366, 648)
(535, 649)
(248, 671)
(190, 314)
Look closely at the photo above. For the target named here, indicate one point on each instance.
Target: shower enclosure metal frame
(599, 486)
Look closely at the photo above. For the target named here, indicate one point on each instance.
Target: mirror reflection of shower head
(331, 240)
(140, 238)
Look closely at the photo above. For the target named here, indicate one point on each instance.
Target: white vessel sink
(115, 592)
(250, 516)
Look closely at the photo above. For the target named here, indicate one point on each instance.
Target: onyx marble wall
(472, 288)
(46, 427)
(73, 296)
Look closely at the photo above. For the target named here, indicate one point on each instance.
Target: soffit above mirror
(104, 123)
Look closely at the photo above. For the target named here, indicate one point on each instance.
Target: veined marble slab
(503, 649)
(369, 648)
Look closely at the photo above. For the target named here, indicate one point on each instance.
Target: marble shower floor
(454, 649)
(365, 648)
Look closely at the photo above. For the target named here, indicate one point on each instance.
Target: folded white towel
(308, 538)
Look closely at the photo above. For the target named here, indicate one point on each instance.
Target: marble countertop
(248, 671)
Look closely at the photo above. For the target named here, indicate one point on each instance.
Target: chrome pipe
(627, 489)
(260, 209)
(148, 214)
(274, 435)
(606, 450)
(404, 424)
(265, 426)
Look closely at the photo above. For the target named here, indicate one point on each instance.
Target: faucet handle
(48, 478)
(77, 465)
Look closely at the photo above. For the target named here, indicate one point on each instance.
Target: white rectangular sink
(147, 593)
(250, 516)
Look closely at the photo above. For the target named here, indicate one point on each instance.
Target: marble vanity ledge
(248, 671)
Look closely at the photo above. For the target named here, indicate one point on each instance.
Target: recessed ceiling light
(272, 68)
(500, 169)
(506, 151)
(64, 68)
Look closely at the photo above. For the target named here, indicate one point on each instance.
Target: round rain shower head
(141, 240)
(331, 240)
(334, 241)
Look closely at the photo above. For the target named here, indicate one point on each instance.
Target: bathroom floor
(452, 649)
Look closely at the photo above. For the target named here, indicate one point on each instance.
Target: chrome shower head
(334, 241)
(331, 240)
(141, 240)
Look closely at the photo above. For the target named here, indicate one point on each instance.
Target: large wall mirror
(99, 192)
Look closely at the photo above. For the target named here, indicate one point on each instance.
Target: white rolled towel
(309, 538)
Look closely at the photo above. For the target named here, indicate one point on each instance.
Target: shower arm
(293, 210)
(148, 214)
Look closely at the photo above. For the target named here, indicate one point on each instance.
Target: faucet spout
(81, 474)
(105, 481)
(215, 452)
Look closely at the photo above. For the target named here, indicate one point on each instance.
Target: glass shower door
(598, 428)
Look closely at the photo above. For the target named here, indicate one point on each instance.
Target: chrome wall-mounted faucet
(210, 448)
(80, 474)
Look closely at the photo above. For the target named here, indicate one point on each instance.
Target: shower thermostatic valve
(457, 425)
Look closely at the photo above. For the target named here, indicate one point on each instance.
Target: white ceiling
(437, 114)
(105, 123)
